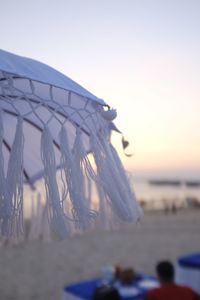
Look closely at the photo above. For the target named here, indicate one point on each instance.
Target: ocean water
(150, 196)
(165, 196)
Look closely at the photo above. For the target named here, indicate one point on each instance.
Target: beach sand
(37, 270)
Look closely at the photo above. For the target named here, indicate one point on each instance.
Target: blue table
(188, 271)
(190, 261)
(85, 290)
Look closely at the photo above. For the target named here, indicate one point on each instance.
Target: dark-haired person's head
(106, 293)
(165, 271)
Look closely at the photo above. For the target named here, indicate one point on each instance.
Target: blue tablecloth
(86, 289)
(190, 261)
(188, 271)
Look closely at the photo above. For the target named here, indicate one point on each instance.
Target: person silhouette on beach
(168, 289)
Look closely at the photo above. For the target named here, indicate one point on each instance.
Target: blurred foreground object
(127, 276)
(188, 271)
(106, 293)
(168, 288)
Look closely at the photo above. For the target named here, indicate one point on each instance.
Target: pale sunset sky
(141, 56)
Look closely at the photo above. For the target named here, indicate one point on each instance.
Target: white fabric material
(62, 123)
(2, 175)
(58, 219)
(71, 163)
(12, 212)
(188, 276)
(38, 104)
(32, 69)
(41, 94)
(114, 181)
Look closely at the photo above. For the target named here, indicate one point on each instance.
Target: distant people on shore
(169, 290)
(170, 207)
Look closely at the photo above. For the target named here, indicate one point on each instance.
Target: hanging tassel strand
(2, 175)
(12, 208)
(58, 219)
(72, 164)
(115, 186)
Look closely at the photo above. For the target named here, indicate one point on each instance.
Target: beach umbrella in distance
(49, 122)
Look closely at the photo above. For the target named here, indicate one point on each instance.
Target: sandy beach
(37, 270)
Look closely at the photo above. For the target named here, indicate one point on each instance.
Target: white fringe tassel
(105, 216)
(73, 168)
(113, 180)
(2, 175)
(133, 204)
(12, 208)
(59, 221)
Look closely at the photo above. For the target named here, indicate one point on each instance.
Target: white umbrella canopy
(47, 121)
